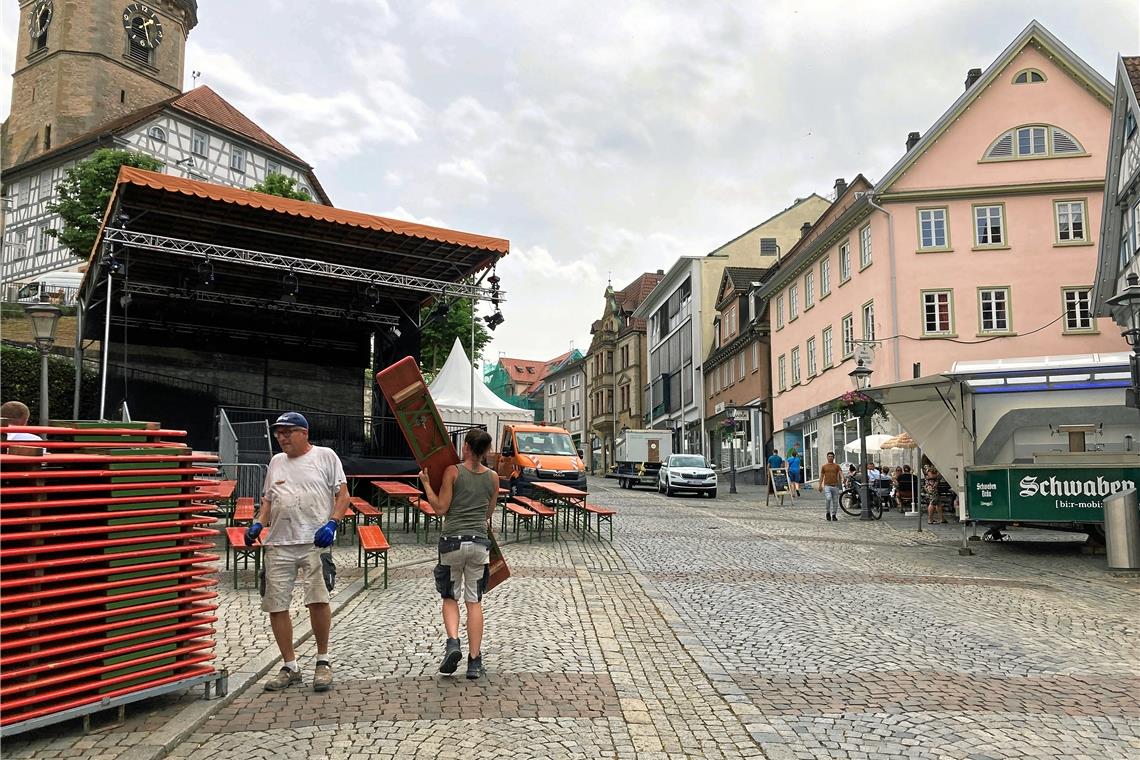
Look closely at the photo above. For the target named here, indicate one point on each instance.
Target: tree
(438, 335)
(85, 192)
(280, 185)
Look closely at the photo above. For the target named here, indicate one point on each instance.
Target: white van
(59, 288)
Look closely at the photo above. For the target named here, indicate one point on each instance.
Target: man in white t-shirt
(305, 497)
(16, 413)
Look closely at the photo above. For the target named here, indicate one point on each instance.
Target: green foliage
(280, 185)
(439, 335)
(20, 381)
(85, 192)
(16, 311)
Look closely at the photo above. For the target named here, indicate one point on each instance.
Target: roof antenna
(194, 77)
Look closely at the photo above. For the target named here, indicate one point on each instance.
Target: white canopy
(451, 391)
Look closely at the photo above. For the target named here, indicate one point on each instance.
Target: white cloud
(462, 169)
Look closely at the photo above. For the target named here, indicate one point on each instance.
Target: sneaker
(322, 677)
(285, 677)
(475, 668)
(451, 657)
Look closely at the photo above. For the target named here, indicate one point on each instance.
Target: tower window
(135, 51)
(122, 96)
(43, 18)
(47, 137)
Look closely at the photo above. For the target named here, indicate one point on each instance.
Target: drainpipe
(894, 281)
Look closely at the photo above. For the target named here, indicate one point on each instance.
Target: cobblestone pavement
(709, 629)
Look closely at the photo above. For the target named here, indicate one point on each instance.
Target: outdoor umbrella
(903, 441)
(874, 443)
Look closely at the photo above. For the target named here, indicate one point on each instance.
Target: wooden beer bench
(240, 552)
(372, 546)
(541, 512)
(602, 514)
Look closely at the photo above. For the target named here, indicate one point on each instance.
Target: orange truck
(538, 453)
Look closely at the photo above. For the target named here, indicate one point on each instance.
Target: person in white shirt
(16, 413)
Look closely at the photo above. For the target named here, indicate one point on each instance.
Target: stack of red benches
(106, 594)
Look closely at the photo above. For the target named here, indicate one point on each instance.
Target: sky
(603, 139)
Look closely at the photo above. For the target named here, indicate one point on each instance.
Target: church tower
(83, 63)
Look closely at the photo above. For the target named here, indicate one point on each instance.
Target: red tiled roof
(209, 105)
(317, 211)
(1132, 66)
(531, 370)
(637, 291)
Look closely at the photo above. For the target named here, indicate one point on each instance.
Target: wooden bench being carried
(240, 552)
(373, 546)
(541, 511)
(602, 513)
(368, 512)
(519, 512)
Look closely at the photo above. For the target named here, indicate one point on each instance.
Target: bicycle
(851, 504)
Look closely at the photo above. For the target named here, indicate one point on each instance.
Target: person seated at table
(467, 498)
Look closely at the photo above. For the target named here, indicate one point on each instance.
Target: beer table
(562, 499)
(396, 493)
(353, 480)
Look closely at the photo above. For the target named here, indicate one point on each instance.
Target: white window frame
(199, 139)
(1067, 206)
(740, 358)
(779, 312)
(1079, 297)
(932, 303)
(824, 276)
(782, 372)
(793, 302)
(796, 365)
(937, 217)
(990, 294)
(809, 289)
(238, 156)
(865, 246)
(809, 347)
(755, 357)
(1032, 130)
(828, 341)
(847, 335)
(273, 167)
(869, 320)
(156, 132)
(844, 261)
(986, 213)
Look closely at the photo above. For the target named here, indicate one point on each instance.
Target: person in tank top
(466, 499)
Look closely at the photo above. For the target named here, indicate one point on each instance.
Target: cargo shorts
(283, 565)
(464, 567)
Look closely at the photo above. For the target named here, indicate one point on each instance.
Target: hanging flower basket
(858, 404)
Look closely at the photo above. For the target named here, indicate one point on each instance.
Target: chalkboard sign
(778, 483)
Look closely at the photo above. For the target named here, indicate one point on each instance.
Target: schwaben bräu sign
(1045, 493)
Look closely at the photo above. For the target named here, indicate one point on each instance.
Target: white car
(686, 472)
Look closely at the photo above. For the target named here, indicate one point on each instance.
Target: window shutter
(1003, 148)
(1064, 143)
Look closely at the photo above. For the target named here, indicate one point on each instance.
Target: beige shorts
(284, 565)
(462, 570)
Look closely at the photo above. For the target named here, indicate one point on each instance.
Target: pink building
(979, 243)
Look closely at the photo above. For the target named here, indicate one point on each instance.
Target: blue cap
(294, 419)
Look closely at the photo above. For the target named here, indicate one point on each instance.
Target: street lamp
(1128, 300)
(861, 379)
(44, 318)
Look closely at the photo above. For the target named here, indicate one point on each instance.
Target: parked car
(686, 472)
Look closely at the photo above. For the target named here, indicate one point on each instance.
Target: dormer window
(1028, 76)
(1033, 141)
(157, 133)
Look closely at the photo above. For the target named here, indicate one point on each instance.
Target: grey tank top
(469, 499)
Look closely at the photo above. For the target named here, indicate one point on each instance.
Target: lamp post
(861, 378)
(44, 318)
(1128, 301)
(730, 423)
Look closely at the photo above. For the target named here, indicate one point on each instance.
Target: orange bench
(430, 516)
(239, 551)
(372, 545)
(244, 511)
(541, 511)
(348, 520)
(365, 510)
(602, 513)
(519, 512)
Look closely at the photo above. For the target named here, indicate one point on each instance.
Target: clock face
(40, 18)
(142, 24)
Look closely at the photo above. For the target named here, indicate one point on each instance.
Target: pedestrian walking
(795, 471)
(775, 461)
(466, 499)
(305, 497)
(829, 482)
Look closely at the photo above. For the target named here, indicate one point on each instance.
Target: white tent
(451, 391)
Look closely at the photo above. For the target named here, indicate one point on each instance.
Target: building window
(809, 290)
(779, 312)
(137, 52)
(1070, 221)
(237, 158)
(157, 133)
(936, 312)
(552, 388)
(827, 347)
(199, 143)
(989, 226)
(810, 348)
(844, 263)
(869, 320)
(847, 334)
(932, 229)
(782, 372)
(272, 167)
(824, 276)
(793, 302)
(755, 357)
(740, 359)
(1129, 235)
(1078, 310)
(865, 247)
(993, 310)
(1033, 141)
(1028, 76)
(796, 365)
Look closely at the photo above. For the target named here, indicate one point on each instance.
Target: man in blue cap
(305, 497)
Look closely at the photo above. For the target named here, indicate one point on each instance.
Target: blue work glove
(252, 532)
(325, 535)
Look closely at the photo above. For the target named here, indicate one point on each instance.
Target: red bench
(541, 511)
(239, 551)
(244, 511)
(519, 512)
(372, 546)
(602, 513)
(368, 512)
(430, 516)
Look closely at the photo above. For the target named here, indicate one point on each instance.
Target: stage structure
(206, 296)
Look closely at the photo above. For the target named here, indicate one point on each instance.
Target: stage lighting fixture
(206, 274)
(290, 286)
